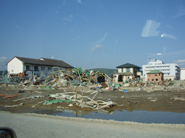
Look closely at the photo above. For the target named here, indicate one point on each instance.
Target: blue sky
(93, 33)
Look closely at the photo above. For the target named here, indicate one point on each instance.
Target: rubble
(73, 84)
(8, 96)
(14, 105)
(59, 78)
(178, 99)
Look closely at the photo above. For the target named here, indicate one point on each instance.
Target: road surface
(45, 126)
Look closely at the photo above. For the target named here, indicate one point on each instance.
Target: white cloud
(68, 18)
(99, 43)
(180, 62)
(180, 11)
(96, 47)
(168, 36)
(78, 1)
(3, 61)
(164, 49)
(150, 28)
(168, 26)
(159, 54)
(105, 35)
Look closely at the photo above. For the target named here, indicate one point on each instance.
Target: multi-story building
(127, 71)
(171, 71)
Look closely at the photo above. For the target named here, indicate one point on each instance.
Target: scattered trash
(125, 91)
(152, 99)
(70, 105)
(21, 91)
(37, 92)
(14, 105)
(10, 96)
(55, 101)
(3, 95)
(178, 99)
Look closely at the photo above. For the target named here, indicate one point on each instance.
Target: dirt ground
(133, 99)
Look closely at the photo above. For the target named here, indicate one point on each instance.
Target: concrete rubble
(89, 79)
(78, 81)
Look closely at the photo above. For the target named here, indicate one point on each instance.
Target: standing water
(134, 116)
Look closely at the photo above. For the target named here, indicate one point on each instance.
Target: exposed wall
(155, 77)
(170, 78)
(15, 66)
(115, 77)
(132, 70)
(119, 70)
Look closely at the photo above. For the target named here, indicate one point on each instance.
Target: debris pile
(87, 80)
(75, 77)
(79, 100)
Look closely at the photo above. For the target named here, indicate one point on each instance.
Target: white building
(21, 64)
(171, 71)
(182, 73)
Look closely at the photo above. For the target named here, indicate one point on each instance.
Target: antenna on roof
(52, 56)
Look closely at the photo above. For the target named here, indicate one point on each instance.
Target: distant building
(182, 73)
(127, 71)
(155, 75)
(21, 64)
(171, 71)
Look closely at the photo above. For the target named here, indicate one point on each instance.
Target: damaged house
(20, 65)
(155, 75)
(127, 71)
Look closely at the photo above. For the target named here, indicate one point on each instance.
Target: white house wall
(15, 66)
(182, 73)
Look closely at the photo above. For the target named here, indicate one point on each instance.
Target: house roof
(128, 65)
(154, 72)
(44, 62)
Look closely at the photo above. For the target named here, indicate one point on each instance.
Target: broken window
(152, 79)
(42, 68)
(27, 67)
(36, 68)
(101, 79)
(128, 69)
(156, 79)
(120, 78)
(49, 68)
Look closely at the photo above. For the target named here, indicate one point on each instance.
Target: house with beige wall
(127, 71)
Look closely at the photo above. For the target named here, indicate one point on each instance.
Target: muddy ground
(170, 101)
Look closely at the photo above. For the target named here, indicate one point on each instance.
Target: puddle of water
(134, 116)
